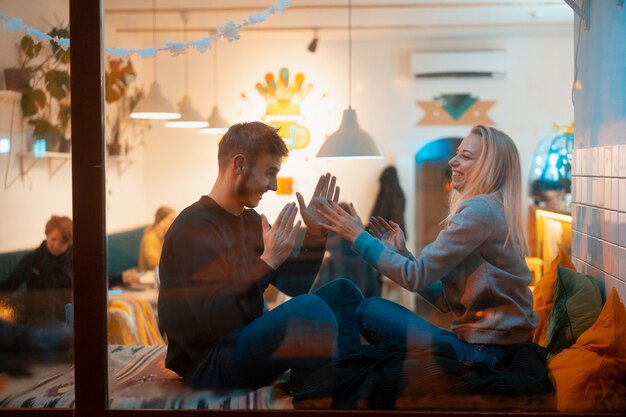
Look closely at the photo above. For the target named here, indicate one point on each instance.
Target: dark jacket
(390, 201)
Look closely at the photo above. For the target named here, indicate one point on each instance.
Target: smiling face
(257, 178)
(465, 161)
(55, 242)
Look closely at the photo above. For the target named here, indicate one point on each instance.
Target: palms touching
(325, 191)
(348, 225)
(389, 233)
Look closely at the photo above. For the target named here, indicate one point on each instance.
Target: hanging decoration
(229, 31)
(455, 109)
(283, 98)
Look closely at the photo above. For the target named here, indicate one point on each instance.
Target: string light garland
(229, 31)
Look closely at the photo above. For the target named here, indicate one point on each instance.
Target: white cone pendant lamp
(189, 118)
(350, 141)
(154, 106)
(217, 124)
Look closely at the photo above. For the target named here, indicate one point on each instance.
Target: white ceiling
(370, 18)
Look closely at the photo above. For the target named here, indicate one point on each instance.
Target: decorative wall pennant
(455, 109)
(229, 30)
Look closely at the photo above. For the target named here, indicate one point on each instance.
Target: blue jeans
(301, 334)
(381, 320)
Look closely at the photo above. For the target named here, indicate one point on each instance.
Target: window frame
(88, 200)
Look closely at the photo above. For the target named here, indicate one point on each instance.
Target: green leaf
(32, 101)
(58, 83)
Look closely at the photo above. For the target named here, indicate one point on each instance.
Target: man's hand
(281, 237)
(347, 225)
(389, 233)
(325, 191)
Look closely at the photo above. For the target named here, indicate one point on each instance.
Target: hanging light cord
(185, 55)
(349, 54)
(154, 66)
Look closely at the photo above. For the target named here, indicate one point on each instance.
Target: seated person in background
(475, 267)
(50, 265)
(152, 240)
(341, 261)
(220, 255)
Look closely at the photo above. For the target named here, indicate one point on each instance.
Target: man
(220, 255)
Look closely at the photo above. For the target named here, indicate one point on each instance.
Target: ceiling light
(217, 124)
(154, 105)
(350, 141)
(189, 117)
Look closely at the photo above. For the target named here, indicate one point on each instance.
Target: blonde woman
(152, 239)
(475, 267)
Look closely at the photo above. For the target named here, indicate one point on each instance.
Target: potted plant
(121, 100)
(45, 101)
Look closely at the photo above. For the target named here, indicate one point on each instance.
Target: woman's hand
(389, 233)
(347, 225)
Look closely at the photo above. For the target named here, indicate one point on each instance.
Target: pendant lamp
(154, 106)
(189, 116)
(350, 141)
(217, 124)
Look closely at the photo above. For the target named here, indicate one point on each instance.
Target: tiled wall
(599, 215)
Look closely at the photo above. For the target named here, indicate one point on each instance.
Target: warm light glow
(554, 216)
(154, 106)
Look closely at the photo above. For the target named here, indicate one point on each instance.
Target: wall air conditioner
(459, 64)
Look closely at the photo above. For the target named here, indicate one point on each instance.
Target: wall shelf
(56, 160)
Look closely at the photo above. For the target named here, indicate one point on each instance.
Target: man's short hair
(250, 139)
(63, 224)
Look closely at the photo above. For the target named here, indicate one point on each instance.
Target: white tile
(615, 162)
(584, 196)
(621, 194)
(577, 246)
(614, 194)
(575, 162)
(606, 225)
(622, 267)
(607, 258)
(622, 230)
(607, 193)
(613, 227)
(597, 192)
(608, 160)
(622, 161)
(595, 161)
(588, 162)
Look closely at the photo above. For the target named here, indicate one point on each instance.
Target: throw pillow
(543, 296)
(577, 305)
(591, 375)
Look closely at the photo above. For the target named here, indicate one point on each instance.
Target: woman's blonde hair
(497, 174)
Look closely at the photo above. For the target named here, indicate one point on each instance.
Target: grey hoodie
(467, 270)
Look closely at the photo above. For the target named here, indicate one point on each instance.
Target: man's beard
(242, 190)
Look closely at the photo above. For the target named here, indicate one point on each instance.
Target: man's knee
(346, 288)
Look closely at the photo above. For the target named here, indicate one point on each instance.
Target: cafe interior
(357, 88)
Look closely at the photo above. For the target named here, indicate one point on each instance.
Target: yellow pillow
(591, 375)
(543, 296)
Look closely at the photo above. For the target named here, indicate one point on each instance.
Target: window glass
(36, 231)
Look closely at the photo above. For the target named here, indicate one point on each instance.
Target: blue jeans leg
(343, 297)
(382, 320)
(299, 333)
